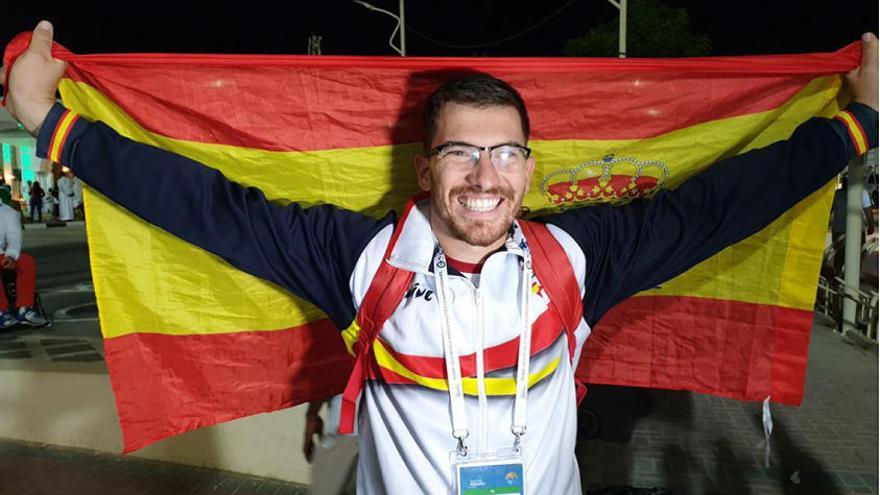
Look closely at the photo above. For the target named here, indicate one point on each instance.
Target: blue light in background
(27, 171)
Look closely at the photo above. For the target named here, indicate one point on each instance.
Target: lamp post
(401, 25)
(852, 249)
(621, 44)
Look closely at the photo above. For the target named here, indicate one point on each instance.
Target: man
(13, 260)
(36, 193)
(6, 192)
(420, 432)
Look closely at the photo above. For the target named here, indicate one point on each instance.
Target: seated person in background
(12, 259)
(5, 192)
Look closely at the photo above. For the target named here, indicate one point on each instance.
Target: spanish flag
(191, 342)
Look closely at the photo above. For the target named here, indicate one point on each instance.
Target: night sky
(737, 27)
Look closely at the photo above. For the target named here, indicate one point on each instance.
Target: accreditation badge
(496, 472)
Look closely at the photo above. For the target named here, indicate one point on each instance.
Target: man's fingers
(41, 39)
(869, 50)
(862, 81)
(869, 55)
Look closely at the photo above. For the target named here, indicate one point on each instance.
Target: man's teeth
(480, 204)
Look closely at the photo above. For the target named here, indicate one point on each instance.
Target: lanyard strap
(450, 353)
(453, 365)
(522, 370)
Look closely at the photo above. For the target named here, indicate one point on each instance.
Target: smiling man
(465, 375)
(476, 165)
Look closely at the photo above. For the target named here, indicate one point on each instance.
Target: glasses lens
(508, 156)
(458, 154)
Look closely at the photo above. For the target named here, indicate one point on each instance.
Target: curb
(55, 223)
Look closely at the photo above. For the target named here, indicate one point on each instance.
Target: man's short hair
(479, 90)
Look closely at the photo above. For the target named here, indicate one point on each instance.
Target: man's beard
(476, 232)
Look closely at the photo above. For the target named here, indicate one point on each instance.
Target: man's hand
(863, 80)
(314, 426)
(8, 263)
(33, 80)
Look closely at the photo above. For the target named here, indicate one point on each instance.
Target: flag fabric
(191, 341)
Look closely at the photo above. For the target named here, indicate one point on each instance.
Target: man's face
(475, 204)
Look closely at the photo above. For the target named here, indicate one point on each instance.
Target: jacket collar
(413, 248)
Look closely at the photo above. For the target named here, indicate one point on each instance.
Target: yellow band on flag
(753, 270)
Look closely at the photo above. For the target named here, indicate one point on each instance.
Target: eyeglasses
(504, 157)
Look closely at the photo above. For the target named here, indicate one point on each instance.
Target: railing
(829, 301)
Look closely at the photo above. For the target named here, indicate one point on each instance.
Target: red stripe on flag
(726, 348)
(312, 97)
(314, 110)
(166, 385)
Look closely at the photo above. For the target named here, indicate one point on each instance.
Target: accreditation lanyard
(453, 365)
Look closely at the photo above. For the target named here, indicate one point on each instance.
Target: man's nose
(484, 173)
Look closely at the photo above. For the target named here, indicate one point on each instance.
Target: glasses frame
(436, 150)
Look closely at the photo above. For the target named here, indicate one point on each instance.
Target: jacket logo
(538, 290)
(613, 179)
(417, 291)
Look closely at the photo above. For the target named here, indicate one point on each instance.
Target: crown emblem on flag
(612, 179)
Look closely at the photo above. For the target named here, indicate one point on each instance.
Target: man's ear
(422, 166)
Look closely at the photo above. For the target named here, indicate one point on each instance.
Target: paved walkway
(696, 444)
(32, 469)
(682, 443)
(52, 224)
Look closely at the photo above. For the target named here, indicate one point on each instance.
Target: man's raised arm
(636, 247)
(309, 251)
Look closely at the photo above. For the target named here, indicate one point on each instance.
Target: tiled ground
(31, 469)
(696, 444)
(52, 349)
(679, 443)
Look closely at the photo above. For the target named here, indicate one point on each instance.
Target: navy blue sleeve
(309, 251)
(638, 246)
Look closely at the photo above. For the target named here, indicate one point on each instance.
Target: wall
(75, 408)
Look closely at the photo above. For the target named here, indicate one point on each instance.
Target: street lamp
(401, 25)
(621, 44)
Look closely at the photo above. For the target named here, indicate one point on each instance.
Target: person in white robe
(66, 198)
